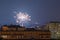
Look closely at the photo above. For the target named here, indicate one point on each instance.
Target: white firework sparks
(22, 18)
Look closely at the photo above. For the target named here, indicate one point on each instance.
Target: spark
(22, 18)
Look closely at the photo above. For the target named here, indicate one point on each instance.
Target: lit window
(4, 36)
(59, 24)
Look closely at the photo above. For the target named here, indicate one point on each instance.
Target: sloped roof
(13, 26)
(54, 22)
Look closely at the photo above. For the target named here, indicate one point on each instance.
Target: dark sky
(41, 11)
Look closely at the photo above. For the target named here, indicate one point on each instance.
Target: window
(4, 36)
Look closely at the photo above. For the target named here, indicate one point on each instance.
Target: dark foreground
(29, 39)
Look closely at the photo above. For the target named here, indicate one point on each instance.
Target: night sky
(41, 11)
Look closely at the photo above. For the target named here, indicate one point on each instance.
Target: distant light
(58, 33)
(22, 18)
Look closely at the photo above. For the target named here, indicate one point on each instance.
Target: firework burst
(22, 18)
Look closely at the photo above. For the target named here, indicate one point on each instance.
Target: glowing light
(22, 18)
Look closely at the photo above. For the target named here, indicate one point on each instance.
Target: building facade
(54, 27)
(18, 32)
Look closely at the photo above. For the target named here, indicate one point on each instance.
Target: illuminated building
(18, 32)
(54, 27)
